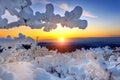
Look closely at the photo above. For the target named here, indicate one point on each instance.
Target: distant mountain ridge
(83, 43)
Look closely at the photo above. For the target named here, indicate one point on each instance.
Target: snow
(36, 63)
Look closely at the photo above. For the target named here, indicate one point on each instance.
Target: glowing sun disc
(61, 39)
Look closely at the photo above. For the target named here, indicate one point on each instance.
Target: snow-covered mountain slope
(36, 63)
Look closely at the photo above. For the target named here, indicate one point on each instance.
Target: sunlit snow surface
(17, 63)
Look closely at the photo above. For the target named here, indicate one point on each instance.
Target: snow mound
(39, 63)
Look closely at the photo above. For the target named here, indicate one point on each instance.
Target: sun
(61, 39)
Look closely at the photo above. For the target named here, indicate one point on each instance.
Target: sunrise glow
(61, 39)
(98, 25)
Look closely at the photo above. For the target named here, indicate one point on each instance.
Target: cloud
(47, 20)
(88, 14)
(65, 6)
(62, 6)
(41, 1)
(44, 1)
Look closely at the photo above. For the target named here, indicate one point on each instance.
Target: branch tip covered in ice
(48, 20)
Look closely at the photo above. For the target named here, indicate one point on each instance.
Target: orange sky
(57, 33)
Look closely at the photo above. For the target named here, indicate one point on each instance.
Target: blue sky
(97, 7)
(104, 13)
(102, 9)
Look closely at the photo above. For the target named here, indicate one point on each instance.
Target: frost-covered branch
(48, 20)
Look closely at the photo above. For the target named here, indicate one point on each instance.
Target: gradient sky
(103, 19)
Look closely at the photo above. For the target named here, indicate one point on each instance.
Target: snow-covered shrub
(41, 64)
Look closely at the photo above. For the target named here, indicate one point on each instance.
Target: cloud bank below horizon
(47, 20)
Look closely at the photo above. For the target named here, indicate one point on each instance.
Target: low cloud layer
(47, 20)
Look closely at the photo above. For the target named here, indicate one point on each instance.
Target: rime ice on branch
(48, 20)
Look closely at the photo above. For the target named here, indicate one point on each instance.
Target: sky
(103, 18)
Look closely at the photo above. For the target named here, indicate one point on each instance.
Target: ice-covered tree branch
(48, 20)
